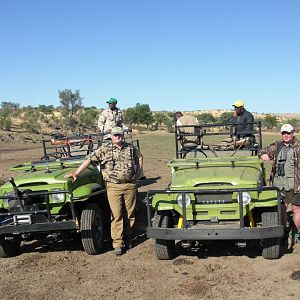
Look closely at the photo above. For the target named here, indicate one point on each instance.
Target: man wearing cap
(120, 166)
(110, 117)
(285, 173)
(241, 119)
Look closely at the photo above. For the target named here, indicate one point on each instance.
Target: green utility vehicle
(217, 192)
(40, 201)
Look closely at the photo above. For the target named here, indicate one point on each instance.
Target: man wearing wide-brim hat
(285, 175)
(110, 117)
(120, 167)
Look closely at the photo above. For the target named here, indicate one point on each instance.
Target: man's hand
(71, 175)
(80, 169)
(265, 157)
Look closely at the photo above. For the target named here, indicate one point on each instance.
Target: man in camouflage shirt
(285, 171)
(110, 117)
(119, 163)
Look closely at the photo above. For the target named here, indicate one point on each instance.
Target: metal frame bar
(179, 135)
(50, 225)
(255, 233)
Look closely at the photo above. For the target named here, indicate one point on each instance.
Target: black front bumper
(245, 233)
(38, 227)
(215, 232)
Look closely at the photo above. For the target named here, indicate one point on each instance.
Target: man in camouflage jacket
(120, 166)
(285, 172)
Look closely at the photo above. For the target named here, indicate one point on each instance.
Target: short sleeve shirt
(118, 165)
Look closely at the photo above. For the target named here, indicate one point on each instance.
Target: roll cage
(216, 137)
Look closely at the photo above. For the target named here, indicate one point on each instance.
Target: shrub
(31, 122)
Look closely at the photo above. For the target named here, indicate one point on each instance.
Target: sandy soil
(62, 270)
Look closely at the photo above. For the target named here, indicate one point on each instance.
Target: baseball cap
(287, 128)
(238, 103)
(112, 100)
(116, 130)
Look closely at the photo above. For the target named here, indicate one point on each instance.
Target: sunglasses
(118, 135)
(285, 132)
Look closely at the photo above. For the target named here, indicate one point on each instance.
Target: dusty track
(62, 270)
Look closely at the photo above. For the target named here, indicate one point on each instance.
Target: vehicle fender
(87, 189)
(163, 202)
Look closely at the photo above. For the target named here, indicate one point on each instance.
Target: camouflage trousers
(122, 200)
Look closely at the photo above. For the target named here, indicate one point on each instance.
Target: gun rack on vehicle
(66, 147)
(78, 145)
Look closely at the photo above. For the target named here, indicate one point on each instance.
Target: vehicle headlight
(187, 200)
(246, 198)
(58, 197)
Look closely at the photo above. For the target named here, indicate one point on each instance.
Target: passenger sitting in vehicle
(243, 125)
(188, 131)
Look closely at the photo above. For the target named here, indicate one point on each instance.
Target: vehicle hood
(221, 173)
(35, 178)
(52, 174)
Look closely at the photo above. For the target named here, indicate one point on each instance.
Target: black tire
(272, 246)
(9, 248)
(92, 228)
(165, 249)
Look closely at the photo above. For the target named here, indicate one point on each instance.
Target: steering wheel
(47, 157)
(194, 150)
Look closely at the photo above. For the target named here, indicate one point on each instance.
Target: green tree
(170, 125)
(160, 118)
(225, 117)
(206, 118)
(6, 113)
(294, 122)
(130, 116)
(5, 120)
(46, 109)
(144, 114)
(31, 121)
(88, 118)
(29, 107)
(10, 105)
(140, 114)
(171, 115)
(71, 103)
(270, 121)
(46, 113)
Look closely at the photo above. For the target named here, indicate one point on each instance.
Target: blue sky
(170, 54)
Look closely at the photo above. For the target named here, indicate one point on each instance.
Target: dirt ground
(62, 270)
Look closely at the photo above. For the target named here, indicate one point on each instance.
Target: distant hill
(218, 112)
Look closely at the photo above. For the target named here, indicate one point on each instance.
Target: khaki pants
(122, 200)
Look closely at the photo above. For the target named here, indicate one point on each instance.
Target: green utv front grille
(221, 198)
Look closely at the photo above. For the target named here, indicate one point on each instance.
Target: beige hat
(287, 128)
(116, 130)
